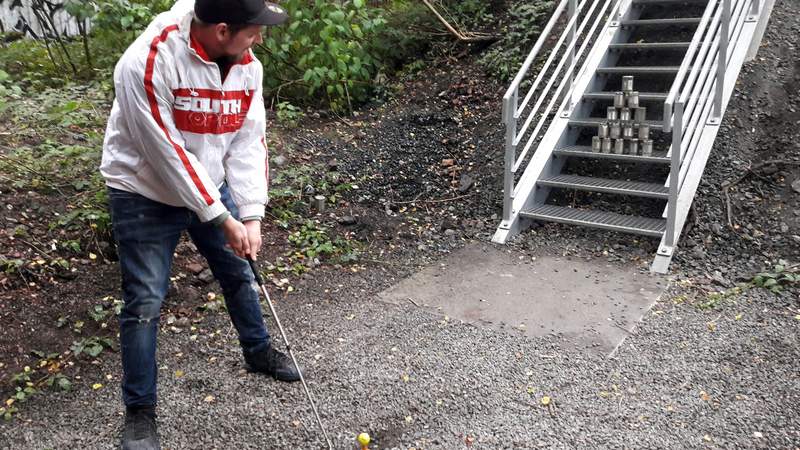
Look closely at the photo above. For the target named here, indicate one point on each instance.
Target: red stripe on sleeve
(151, 97)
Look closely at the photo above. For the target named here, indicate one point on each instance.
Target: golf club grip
(256, 272)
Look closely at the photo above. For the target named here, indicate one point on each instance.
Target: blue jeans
(147, 233)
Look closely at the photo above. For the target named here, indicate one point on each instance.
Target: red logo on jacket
(206, 111)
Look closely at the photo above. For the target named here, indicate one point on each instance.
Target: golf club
(260, 281)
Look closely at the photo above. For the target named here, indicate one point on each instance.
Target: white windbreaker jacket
(177, 131)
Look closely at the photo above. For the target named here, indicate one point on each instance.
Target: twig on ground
(469, 37)
(726, 186)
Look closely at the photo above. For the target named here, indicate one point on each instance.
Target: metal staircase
(684, 57)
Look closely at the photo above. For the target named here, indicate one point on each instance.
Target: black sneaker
(273, 363)
(140, 429)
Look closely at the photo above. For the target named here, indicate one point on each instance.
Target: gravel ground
(686, 378)
(689, 376)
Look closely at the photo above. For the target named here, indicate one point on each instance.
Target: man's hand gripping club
(243, 238)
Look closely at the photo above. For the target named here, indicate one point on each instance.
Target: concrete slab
(594, 303)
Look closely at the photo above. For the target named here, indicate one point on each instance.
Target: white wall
(17, 15)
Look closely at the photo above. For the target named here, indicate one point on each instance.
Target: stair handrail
(696, 95)
(512, 111)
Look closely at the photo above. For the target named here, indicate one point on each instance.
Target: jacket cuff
(220, 219)
(255, 210)
(210, 212)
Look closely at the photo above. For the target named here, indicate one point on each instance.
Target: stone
(796, 185)
(465, 183)
(194, 268)
(279, 160)
(206, 276)
(347, 221)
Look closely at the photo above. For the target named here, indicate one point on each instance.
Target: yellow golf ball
(363, 439)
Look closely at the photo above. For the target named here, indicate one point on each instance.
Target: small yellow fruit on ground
(363, 439)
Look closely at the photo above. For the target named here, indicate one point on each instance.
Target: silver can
(619, 146)
(614, 130)
(644, 131)
(602, 130)
(611, 113)
(633, 99)
(640, 114)
(627, 131)
(624, 114)
(605, 145)
(619, 99)
(633, 146)
(647, 147)
(627, 83)
(596, 144)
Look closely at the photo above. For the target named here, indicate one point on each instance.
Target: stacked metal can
(625, 130)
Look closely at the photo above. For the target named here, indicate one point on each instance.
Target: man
(185, 150)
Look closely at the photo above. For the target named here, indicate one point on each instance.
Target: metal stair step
(643, 96)
(597, 219)
(579, 151)
(661, 22)
(635, 188)
(589, 122)
(650, 46)
(630, 70)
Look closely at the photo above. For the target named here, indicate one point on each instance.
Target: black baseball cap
(240, 12)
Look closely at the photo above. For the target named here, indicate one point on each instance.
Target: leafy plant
(323, 51)
(288, 114)
(778, 278)
(505, 56)
(91, 346)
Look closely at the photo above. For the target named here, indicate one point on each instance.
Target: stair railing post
(755, 8)
(674, 175)
(722, 60)
(572, 6)
(510, 119)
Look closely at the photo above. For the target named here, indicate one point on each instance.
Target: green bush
(526, 20)
(323, 51)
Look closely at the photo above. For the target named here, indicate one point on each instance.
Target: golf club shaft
(260, 282)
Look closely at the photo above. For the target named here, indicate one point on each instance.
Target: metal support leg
(722, 61)
(510, 118)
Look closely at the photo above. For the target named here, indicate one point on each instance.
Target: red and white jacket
(177, 131)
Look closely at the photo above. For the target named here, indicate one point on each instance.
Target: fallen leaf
(409, 419)
(92, 256)
(97, 386)
(406, 378)
(704, 395)
(738, 316)
(545, 400)
(178, 373)
(209, 399)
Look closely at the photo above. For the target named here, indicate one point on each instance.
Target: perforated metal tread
(598, 219)
(643, 96)
(629, 70)
(580, 151)
(650, 46)
(661, 22)
(596, 121)
(634, 188)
